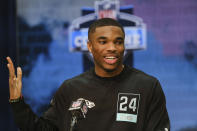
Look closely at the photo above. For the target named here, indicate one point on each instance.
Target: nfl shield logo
(107, 9)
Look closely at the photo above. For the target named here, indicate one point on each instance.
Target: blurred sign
(135, 38)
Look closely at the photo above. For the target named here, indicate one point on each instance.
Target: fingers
(10, 66)
(19, 73)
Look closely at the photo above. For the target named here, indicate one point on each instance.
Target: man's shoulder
(139, 74)
(142, 80)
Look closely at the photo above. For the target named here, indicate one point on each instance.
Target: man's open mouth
(110, 59)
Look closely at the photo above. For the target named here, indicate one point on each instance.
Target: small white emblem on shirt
(166, 129)
(90, 104)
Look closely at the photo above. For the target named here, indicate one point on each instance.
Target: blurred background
(35, 35)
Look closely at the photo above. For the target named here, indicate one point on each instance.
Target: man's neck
(106, 73)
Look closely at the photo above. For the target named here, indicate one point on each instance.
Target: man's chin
(111, 68)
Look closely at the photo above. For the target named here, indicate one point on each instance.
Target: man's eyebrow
(119, 38)
(101, 37)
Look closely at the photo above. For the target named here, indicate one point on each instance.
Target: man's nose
(111, 46)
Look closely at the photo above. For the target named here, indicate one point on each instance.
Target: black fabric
(26, 120)
(111, 96)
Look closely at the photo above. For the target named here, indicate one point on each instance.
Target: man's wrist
(15, 100)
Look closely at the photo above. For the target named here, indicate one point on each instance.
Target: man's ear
(89, 44)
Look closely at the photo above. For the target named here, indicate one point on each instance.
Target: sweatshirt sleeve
(27, 120)
(157, 116)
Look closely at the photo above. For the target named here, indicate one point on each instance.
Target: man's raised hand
(15, 82)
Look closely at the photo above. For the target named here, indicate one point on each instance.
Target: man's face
(107, 47)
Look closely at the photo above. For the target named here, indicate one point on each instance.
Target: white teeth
(110, 57)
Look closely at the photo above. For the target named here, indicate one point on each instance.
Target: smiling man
(111, 96)
(106, 43)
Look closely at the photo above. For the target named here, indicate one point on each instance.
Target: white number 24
(132, 103)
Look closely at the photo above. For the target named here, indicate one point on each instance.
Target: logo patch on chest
(127, 107)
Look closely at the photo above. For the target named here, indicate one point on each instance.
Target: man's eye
(119, 42)
(102, 42)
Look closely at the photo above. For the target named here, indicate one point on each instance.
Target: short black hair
(104, 22)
